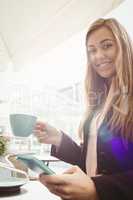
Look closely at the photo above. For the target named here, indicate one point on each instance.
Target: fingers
(40, 129)
(72, 170)
(52, 179)
(58, 179)
(41, 136)
(60, 185)
(57, 188)
(40, 126)
(39, 133)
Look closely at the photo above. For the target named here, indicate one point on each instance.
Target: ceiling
(30, 28)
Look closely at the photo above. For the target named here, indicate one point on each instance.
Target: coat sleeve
(115, 186)
(68, 151)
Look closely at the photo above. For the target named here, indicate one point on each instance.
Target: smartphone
(35, 164)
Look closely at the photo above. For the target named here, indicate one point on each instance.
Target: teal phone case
(35, 164)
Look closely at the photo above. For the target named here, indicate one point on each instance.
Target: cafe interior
(42, 66)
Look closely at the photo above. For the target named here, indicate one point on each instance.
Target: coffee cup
(22, 125)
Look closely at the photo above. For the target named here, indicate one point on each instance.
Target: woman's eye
(106, 46)
(91, 51)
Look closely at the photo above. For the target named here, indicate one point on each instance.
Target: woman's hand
(74, 184)
(46, 133)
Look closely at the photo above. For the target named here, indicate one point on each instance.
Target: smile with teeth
(105, 64)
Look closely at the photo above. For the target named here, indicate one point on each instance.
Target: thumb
(72, 170)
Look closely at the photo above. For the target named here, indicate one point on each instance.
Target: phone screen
(35, 164)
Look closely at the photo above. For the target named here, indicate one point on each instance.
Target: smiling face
(102, 51)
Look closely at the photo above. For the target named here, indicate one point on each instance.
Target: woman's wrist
(58, 139)
(93, 191)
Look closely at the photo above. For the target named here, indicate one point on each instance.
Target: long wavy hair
(117, 99)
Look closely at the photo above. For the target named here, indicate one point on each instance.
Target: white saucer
(12, 182)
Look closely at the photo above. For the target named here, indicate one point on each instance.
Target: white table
(32, 190)
(46, 158)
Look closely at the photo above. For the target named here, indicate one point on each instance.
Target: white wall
(124, 14)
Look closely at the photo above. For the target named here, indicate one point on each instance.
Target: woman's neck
(108, 83)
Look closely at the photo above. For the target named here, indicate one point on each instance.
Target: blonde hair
(118, 99)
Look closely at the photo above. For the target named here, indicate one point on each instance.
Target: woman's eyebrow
(102, 41)
(107, 39)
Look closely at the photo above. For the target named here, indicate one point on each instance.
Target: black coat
(114, 162)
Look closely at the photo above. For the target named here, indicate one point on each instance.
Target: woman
(104, 160)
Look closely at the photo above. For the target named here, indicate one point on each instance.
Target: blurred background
(43, 61)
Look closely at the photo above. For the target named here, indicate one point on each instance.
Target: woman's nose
(99, 54)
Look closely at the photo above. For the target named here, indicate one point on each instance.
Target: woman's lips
(105, 64)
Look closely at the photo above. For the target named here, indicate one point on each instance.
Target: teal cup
(22, 125)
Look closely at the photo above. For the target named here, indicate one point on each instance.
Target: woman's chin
(107, 75)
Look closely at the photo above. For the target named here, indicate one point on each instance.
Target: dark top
(114, 162)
